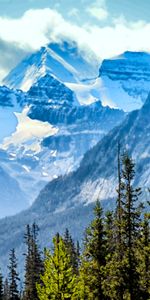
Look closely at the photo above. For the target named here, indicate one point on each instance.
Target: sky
(106, 27)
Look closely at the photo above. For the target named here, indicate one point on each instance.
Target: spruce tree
(73, 251)
(143, 253)
(33, 263)
(13, 277)
(131, 222)
(58, 280)
(93, 261)
(1, 287)
(6, 295)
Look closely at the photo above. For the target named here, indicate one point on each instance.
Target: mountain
(63, 60)
(120, 82)
(47, 132)
(12, 198)
(124, 81)
(67, 201)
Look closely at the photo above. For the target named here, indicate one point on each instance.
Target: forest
(111, 263)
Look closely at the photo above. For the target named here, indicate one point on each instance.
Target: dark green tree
(130, 226)
(1, 287)
(73, 251)
(143, 253)
(6, 295)
(13, 277)
(93, 261)
(33, 263)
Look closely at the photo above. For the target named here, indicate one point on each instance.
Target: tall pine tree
(93, 261)
(13, 277)
(1, 287)
(33, 263)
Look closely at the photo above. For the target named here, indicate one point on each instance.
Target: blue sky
(107, 27)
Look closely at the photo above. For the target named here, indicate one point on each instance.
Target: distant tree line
(114, 263)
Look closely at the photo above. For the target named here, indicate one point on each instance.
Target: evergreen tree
(6, 295)
(33, 263)
(58, 280)
(93, 261)
(13, 277)
(1, 287)
(143, 253)
(72, 250)
(109, 234)
(131, 222)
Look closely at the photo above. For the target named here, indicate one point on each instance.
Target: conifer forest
(111, 263)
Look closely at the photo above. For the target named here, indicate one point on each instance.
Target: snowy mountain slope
(96, 176)
(67, 201)
(63, 61)
(51, 133)
(12, 198)
(125, 80)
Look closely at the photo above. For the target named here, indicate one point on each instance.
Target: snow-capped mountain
(67, 201)
(63, 61)
(51, 132)
(124, 81)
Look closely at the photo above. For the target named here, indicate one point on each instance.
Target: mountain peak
(130, 74)
(62, 60)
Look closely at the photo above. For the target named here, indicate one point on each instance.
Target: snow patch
(28, 132)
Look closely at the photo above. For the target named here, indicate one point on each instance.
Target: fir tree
(72, 250)
(143, 253)
(93, 261)
(1, 287)
(13, 277)
(33, 263)
(58, 280)
(6, 295)
(131, 221)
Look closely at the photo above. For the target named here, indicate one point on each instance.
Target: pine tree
(13, 277)
(109, 233)
(58, 280)
(131, 222)
(143, 253)
(1, 287)
(93, 261)
(6, 295)
(33, 263)
(72, 250)
(114, 282)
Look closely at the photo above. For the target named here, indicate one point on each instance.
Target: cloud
(98, 10)
(38, 27)
(10, 54)
(74, 12)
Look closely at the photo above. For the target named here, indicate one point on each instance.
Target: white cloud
(98, 10)
(37, 27)
(74, 12)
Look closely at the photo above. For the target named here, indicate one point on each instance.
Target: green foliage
(58, 280)
(13, 277)
(93, 260)
(33, 263)
(114, 263)
(73, 251)
(1, 287)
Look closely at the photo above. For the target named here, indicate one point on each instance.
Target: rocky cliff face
(47, 132)
(125, 80)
